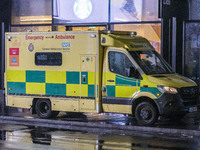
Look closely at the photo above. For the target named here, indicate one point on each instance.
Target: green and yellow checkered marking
(51, 83)
(125, 87)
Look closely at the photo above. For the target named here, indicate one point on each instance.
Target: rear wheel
(146, 114)
(43, 109)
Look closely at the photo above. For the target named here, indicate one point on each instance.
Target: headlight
(167, 89)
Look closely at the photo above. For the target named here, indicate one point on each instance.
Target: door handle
(84, 78)
(103, 89)
(111, 80)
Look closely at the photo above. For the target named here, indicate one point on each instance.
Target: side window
(48, 59)
(118, 63)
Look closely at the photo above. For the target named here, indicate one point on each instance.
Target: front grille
(189, 92)
(190, 102)
(189, 95)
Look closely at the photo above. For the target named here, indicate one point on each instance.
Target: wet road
(13, 137)
(190, 121)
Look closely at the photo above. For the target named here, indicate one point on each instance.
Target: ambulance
(96, 72)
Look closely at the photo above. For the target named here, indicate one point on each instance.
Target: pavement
(188, 127)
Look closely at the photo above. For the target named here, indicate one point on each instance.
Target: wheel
(43, 109)
(146, 114)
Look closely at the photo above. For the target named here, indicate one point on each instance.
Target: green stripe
(35, 76)
(97, 91)
(91, 91)
(16, 87)
(56, 89)
(138, 82)
(110, 90)
(121, 81)
(152, 90)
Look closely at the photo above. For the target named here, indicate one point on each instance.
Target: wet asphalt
(191, 121)
(20, 137)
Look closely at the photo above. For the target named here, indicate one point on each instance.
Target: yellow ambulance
(93, 71)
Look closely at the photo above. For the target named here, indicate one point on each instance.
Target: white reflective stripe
(6, 101)
(98, 108)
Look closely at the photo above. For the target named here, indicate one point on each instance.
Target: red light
(145, 85)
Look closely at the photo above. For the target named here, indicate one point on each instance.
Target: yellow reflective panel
(56, 77)
(35, 88)
(73, 90)
(16, 76)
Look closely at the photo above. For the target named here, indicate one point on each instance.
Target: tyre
(146, 114)
(43, 109)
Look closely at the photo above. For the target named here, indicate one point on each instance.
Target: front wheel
(43, 109)
(146, 114)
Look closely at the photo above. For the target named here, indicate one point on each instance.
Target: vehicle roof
(133, 42)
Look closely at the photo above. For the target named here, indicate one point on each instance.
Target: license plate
(192, 109)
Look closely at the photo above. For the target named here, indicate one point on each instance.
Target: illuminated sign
(67, 12)
(126, 10)
(82, 8)
(80, 11)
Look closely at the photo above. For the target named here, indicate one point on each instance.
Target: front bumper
(173, 104)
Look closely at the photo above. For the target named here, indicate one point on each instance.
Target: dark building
(181, 36)
(172, 26)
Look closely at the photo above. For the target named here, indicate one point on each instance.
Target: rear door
(88, 82)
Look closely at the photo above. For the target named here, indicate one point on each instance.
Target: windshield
(151, 62)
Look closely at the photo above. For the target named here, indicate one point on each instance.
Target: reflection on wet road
(14, 137)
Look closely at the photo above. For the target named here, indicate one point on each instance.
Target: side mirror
(132, 72)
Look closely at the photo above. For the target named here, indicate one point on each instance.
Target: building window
(48, 59)
(192, 51)
(31, 12)
(152, 32)
(134, 10)
(31, 28)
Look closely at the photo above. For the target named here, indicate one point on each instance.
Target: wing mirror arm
(132, 72)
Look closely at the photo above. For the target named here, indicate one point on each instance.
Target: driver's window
(118, 63)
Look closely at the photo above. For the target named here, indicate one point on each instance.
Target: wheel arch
(34, 104)
(145, 99)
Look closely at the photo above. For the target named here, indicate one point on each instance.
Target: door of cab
(119, 84)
